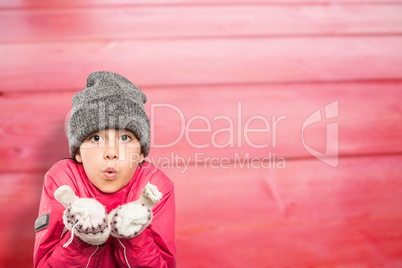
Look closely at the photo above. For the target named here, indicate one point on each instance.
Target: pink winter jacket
(155, 247)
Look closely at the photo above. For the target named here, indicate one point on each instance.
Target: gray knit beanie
(108, 101)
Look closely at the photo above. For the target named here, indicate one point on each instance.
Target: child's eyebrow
(103, 131)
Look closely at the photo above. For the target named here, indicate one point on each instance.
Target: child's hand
(131, 219)
(85, 217)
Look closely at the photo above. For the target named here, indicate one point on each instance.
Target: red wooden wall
(222, 63)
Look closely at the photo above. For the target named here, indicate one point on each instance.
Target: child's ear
(78, 157)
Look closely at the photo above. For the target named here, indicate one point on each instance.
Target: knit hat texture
(108, 101)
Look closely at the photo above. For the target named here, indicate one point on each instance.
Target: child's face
(109, 148)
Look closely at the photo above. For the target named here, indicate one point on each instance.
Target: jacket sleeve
(155, 246)
(49, 241)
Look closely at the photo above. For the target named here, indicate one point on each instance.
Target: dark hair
(75, 160)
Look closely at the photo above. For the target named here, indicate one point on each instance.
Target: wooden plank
(369, 116)
(94, 3)
(63, 66)
(20, 206)
(198, 22)
(348, 216)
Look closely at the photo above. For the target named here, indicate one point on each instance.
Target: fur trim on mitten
(131, 219)
(84, 217)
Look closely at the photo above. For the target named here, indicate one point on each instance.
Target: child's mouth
(109, 174)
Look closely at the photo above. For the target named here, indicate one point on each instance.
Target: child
(106, 206)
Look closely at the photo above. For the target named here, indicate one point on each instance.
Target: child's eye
(95, 138)
(125, 138)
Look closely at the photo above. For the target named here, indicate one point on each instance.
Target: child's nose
(112, 149)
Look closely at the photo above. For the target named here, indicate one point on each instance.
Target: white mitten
(131, 219)
(85, 217)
